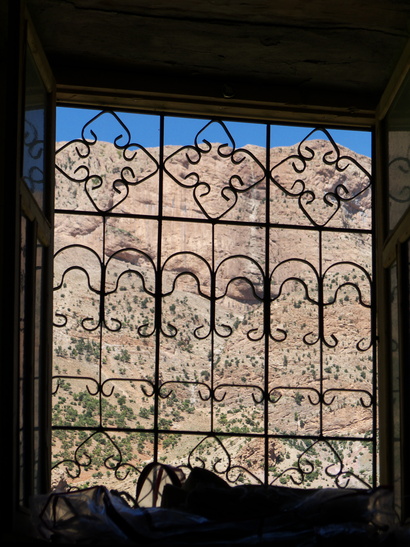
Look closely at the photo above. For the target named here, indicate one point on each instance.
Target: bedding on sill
(204, 510)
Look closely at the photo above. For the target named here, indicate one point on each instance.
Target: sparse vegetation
(201, 367)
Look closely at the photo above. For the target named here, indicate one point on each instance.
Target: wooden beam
(198, 97)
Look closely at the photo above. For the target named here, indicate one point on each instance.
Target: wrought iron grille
(212, 306)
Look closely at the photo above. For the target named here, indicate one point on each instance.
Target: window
(396, 262)
(35, 261)
(212, 302)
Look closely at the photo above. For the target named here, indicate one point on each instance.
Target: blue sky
(144, 129)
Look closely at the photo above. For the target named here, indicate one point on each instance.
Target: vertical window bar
(267, 306)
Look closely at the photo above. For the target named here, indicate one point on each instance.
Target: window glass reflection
(34, 131)
(398, 127)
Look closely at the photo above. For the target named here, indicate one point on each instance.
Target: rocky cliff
(218, 364)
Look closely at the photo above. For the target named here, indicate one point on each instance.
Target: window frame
(27, 469)
(39, 219)
(390, 245)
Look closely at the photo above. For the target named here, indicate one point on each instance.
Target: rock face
(161, 316)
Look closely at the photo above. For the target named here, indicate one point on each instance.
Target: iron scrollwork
(194, 327)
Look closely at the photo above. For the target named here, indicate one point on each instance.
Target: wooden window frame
(390, 250)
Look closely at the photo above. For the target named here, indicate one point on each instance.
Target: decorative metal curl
(202, 462)
(77, 378)
(113, 462)
(93, 181)
(306, 467)
(402, 164)
(193, 155)
(277, 391)
(165, 395)
(236, 472)
(33, 151)
(254, 387)
(345, 390)
(333, 199)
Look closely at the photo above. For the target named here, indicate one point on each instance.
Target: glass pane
(39, 396)
(34, 131)
(32, 397)
(398, 131)
(395, 361)
(22, 353)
